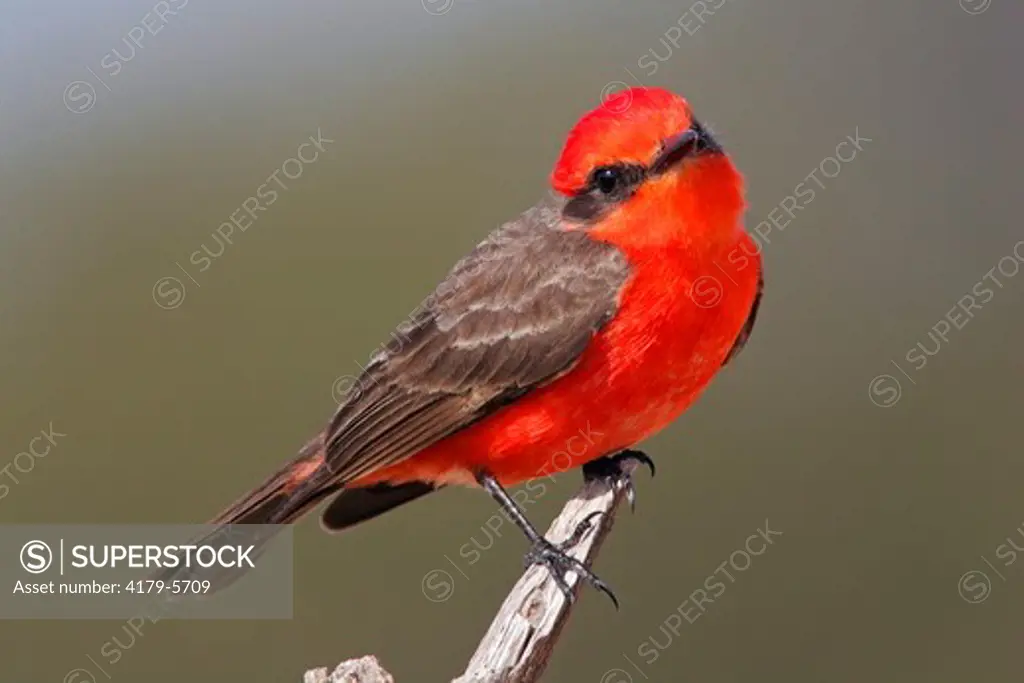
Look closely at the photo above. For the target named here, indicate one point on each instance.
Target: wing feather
(513, 315)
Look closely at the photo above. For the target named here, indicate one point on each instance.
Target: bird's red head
(641, 171)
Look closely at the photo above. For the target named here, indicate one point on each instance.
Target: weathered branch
(519, 643)
(520, 640)
(362, 670)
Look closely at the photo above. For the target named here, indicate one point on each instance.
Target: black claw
(639, 456)
(579, 532)
(630, 495)
(558, 564)
(611, 596)
(609, 468)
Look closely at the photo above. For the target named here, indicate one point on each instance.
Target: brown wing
(513, 315)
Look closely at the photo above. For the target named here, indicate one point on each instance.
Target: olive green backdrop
(893, 483)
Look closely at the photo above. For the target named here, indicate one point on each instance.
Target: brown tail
(286, 495)
(297, 487)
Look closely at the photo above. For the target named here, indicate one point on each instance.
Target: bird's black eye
(607, 179)
(606, 188)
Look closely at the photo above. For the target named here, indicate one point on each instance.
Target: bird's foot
(559, 563)
(610, 470)
(544, 552)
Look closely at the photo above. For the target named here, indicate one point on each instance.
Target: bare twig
(521, 638)
(362, 670)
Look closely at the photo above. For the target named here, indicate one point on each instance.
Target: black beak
(695, 141)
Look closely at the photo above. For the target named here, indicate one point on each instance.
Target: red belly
(642, 370)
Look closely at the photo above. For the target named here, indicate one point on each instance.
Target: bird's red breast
(679, 314)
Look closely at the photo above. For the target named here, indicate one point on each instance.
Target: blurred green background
(445, 121)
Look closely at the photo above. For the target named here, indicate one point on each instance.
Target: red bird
(599, 309)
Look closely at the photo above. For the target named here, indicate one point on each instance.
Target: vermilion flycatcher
(610, 305)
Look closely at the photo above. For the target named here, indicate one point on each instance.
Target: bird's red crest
(629, 126)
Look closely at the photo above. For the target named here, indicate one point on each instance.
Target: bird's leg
(543, 551)
(609, 469)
